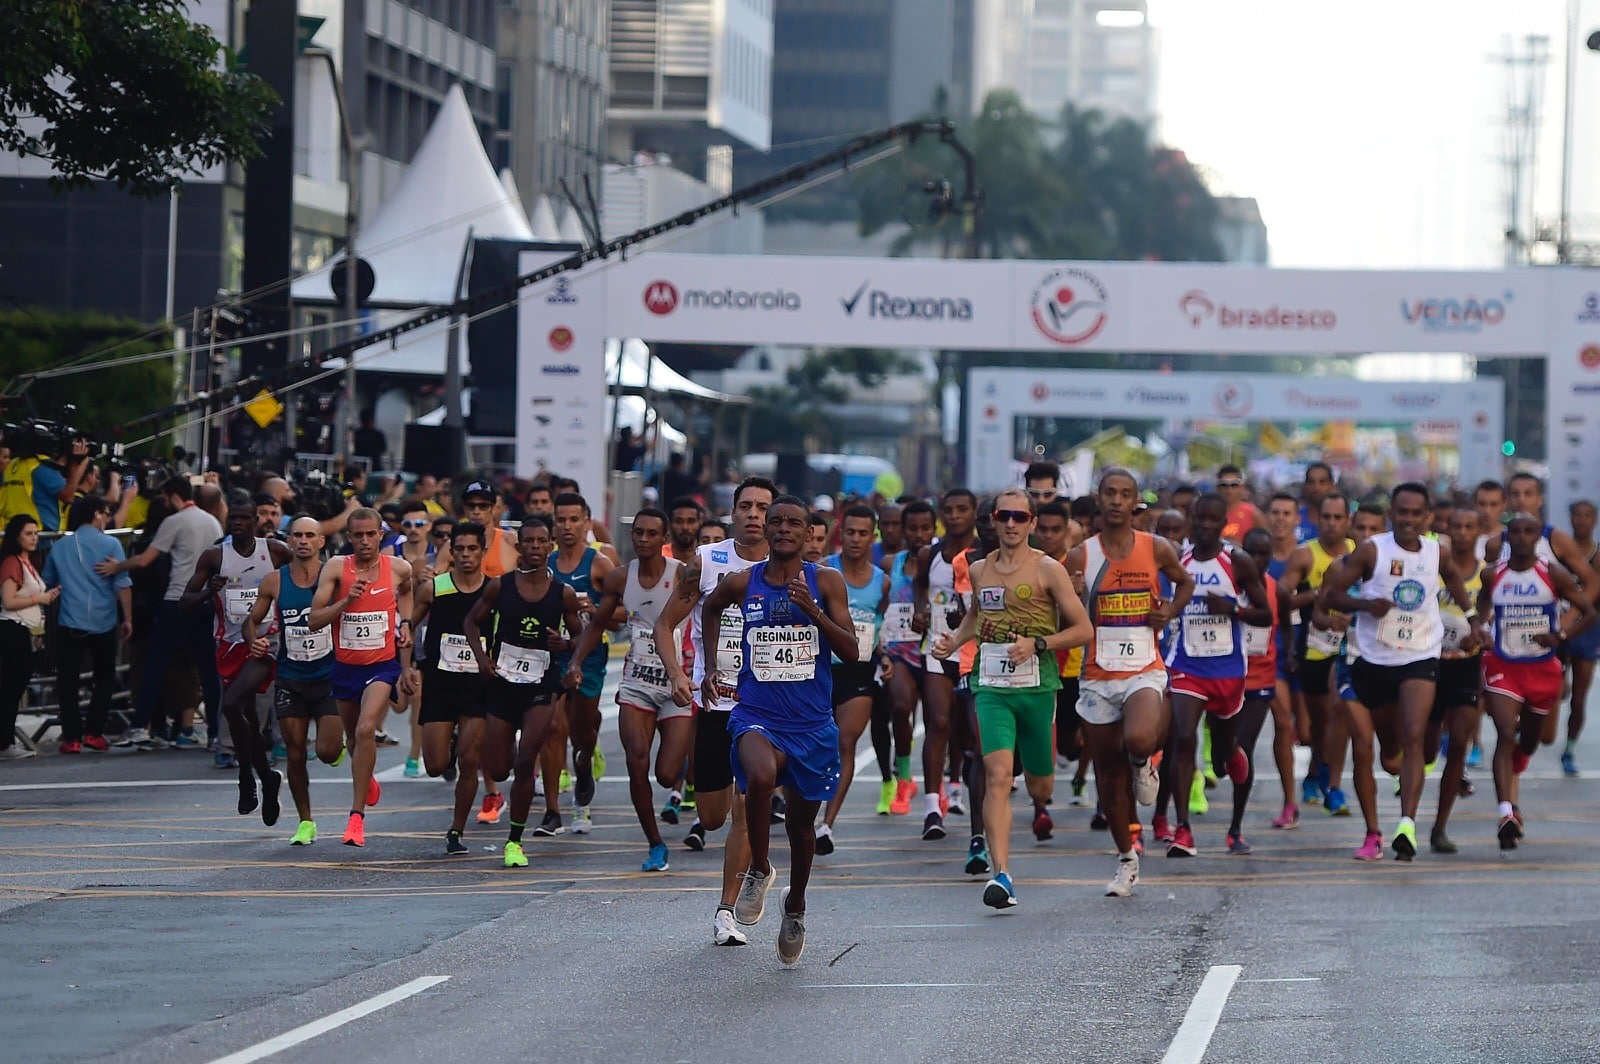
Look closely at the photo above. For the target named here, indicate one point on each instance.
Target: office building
(552, 92)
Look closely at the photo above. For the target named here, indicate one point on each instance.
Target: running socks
(902, 767)
(516, 831)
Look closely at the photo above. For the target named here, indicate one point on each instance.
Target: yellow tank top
(1320, 561)
(1456, 625)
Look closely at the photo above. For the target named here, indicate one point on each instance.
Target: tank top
(784, 680)
(942, 595)
(28, 583)
(1525, 605)
(1412, 631)
(244, 574)
(1121, 594)
(1456, 625)
(961, 572)
(642, 667)
(1322, 643)
(1011, 605)
(303, 655)
(492, 565)
(520, 647)
(364, 633)
(867, 605)
(1261, 644)
(717, 561)
(899, 640)
(445, 646)
(582, 583)
(1209, 644)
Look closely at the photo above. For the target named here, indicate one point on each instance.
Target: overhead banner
(561, 386)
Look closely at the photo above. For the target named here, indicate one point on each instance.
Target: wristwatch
(1039, 645)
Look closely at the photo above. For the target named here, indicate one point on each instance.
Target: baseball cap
(823, 504)
(480, 487)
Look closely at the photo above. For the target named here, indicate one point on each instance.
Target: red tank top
(1261, 670)
(1122, 592)
(364, 633)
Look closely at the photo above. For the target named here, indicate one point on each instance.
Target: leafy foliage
(793, 416)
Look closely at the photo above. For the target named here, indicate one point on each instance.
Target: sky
(1369, 131)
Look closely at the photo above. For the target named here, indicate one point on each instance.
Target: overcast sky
(1370, 130)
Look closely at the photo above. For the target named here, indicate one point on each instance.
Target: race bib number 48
(455, 654)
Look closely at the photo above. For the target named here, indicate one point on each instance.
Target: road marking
(886, 986)
(306, 1032)
(1189, 1044)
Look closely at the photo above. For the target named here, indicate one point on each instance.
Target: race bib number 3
(1124, 649)
(1207, 635)
(364, 631)
(996, 670)
(897, 623)
(455, 654)
(1257, 640)
(302, 644)
(1402, 630)
(784, 655)
(522, 664)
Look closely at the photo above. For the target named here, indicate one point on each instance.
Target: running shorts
(231, 658)
(653, 700)
(1101, 701)
(1221, 696)
(1023, 720)
(349, 681)
(449, 696)
(1377, 686)
(510, 702)
(1536, 684)
(1314, 676)
(852, 679)
(594, 670)
(1460, 680)
(304, 699)
(713, 751)
(1261, 694)
(1585, 646)
(811, 758)
(1067, 719)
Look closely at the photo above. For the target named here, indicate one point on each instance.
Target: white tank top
(941, 593)
(1412, 630)
(718, 560)
(643, 664)
(238, 595)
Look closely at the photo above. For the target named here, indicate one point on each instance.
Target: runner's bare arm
(473, 625)
(611, 589)
(402, 598)
(1182, 583)
(1336, 585)
(673, 614)
(1296, 571)
(953, 641)
(206, 581)
(1580, 611)
(725, 594)
(1567, 553)
(328, 603)
(919, 592)
(1077, 631)
(278, 552)
(1247, 576)
(421, 602)
(266, 594)
(832, 614)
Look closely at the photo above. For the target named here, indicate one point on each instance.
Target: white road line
(1189, 1044)
(305, 1033)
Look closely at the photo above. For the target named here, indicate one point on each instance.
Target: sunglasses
(1012, 517)
(415, 524)
(441, 535)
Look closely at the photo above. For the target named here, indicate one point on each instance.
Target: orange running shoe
(374, 792)
(904, 791)
(355, 830)
(493, 806)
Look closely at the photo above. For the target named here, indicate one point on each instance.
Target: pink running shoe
(1372, 849)
(1289, 819)
(1161, 828)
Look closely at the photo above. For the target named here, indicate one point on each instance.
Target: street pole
(1564, 228)
(172, 257)
(453, 420)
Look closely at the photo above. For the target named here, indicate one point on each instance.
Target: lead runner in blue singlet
(782, 727)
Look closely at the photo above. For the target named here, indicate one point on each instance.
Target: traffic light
(1508, 448)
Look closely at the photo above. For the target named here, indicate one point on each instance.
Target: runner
(1318, 485)
(418, 549)
(583, 568)
(1456, 708)
(528, 607)
(1122, 700)
(1522, 597)
(1022, 598)
(782, 727)
(713, 744)
(891, 533)
(644, 697)
(1206, 664)
(1291, 722)
(1584, 649)
(686, 517)
(480, 502)
(1398, 636)
(1242, 514)
(362, 595)
(1264, 645)
(1489, 499)
(854, 683)
(938, 610)
(451, 694)
(1052, 530)
(302, 689)
(903, 646)
(816, 544)
(229, 575)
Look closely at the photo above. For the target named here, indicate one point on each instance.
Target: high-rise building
(551, 118)
(1092, 53)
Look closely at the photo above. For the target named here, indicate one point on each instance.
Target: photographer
(39, 481)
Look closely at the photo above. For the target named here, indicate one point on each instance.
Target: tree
(130, 91)
(795, 416)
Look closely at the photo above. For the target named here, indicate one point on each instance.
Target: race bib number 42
(302, 644)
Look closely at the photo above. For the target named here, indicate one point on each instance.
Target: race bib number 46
(784, 655)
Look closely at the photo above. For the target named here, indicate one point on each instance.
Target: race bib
(1207, 635)
(237, 602)
(455, 654)
(1403, 630)
(996, 670)
(522, 664)
(364, 631)
(1517, 635)
(730, 647)
(643, 665)
(302, 644)
(784, 655)
(1257, 640)
(939, 603)
(1124, 649)
(897, 623)
(1456, 630)
(866, 639)
(1324, 641)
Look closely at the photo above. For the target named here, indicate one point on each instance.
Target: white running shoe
(725, 932)
(1127, 877)
(1146, 782)
(954, 795)
(582, 822)
(751, 903)
(791, 933)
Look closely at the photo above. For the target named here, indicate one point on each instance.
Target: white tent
(543, 220)
(415, 238)
(639, 374)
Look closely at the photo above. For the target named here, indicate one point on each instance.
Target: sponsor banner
(1074, 306)
(1572, 388)
(561, 387)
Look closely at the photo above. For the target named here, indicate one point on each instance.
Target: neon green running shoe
(566, 781)
(515, 858)
(1197, 796)
(886, 793)
(305, 834)
(598, 763)
(1405, 842)
(343, 752)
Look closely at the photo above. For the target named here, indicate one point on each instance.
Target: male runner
(1398, 635)
(1318, 485)
(362, 595)
(938, 610)
(416, 548)
(1242, 514)
(891, 533)
(854, 683)
(1584, 649)
(1122, 695)
(1262, 687)
(782, 728)
(816, 544)
(1042, 481)
(1456, 708)
(1489, 499)
(1022, 599)
(1052, 530)
(903, 647)
(454, 694)
(644, 697)
(713, 744)
(1521, 673)
(479, 503)
(229, 576)
(686, 517)
(528, 606)
(712, 532)
(302, 689)
(582, 568)
(1290, 720)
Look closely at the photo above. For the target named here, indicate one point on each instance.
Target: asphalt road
(141, 920)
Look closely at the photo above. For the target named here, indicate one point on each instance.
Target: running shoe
(1182, 844)
(998, 893)
(385, 739)
(688, 796)
(1199, 804)
(1077, 792)
(564, 782)
(453, 846)
(597, 764)
(1371, 849)
(1324, 780)
(904, 791)
(70, 746)
(582, 821)
(1519, 762)
(583, 787)
(1043, 826)
(1336, 804)
(1404, 843)
(696, 839)
(413, 768)
(344, 751)
(1439, 842)
(1569, 764)
(494, 806)
(886, 792)
(932, 827)
(97, 743)
(824, 840)
(780, 809)
(1509, 832)
(725, 930)
(1287, 820)
(1465, 789)
(1161, 828)
(1310, 794)
(1236, 844)
(514, 857)
(131, 739)
(1127, 877)
(538, 785)
(550, 826)
(977, 856)
(657, 861)
(954, 799)
(270, 787)
(374, 792)
(1098, 821)
(1147, 780)
(669, 811)
(1238, 766)
(791, 933)
(248, 802)
(220, 761)
(187, 740)
(751, 904)
(355, 830)
(449, 773)
(1474, 755)
(305, 834)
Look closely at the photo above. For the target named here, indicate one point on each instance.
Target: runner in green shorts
(1026, 610)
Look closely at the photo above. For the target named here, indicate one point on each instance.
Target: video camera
(37, 436)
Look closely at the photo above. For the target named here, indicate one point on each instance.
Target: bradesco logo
(1469, 315)
(1069, 307)
(662, 298)
(1198, 306)
(880, 304)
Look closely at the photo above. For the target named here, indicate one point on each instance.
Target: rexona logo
(880, 304)
(1199, 308)
(1069, 307)
(1469, 315)
(662, 297)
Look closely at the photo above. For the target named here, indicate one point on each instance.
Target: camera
(54, 438)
